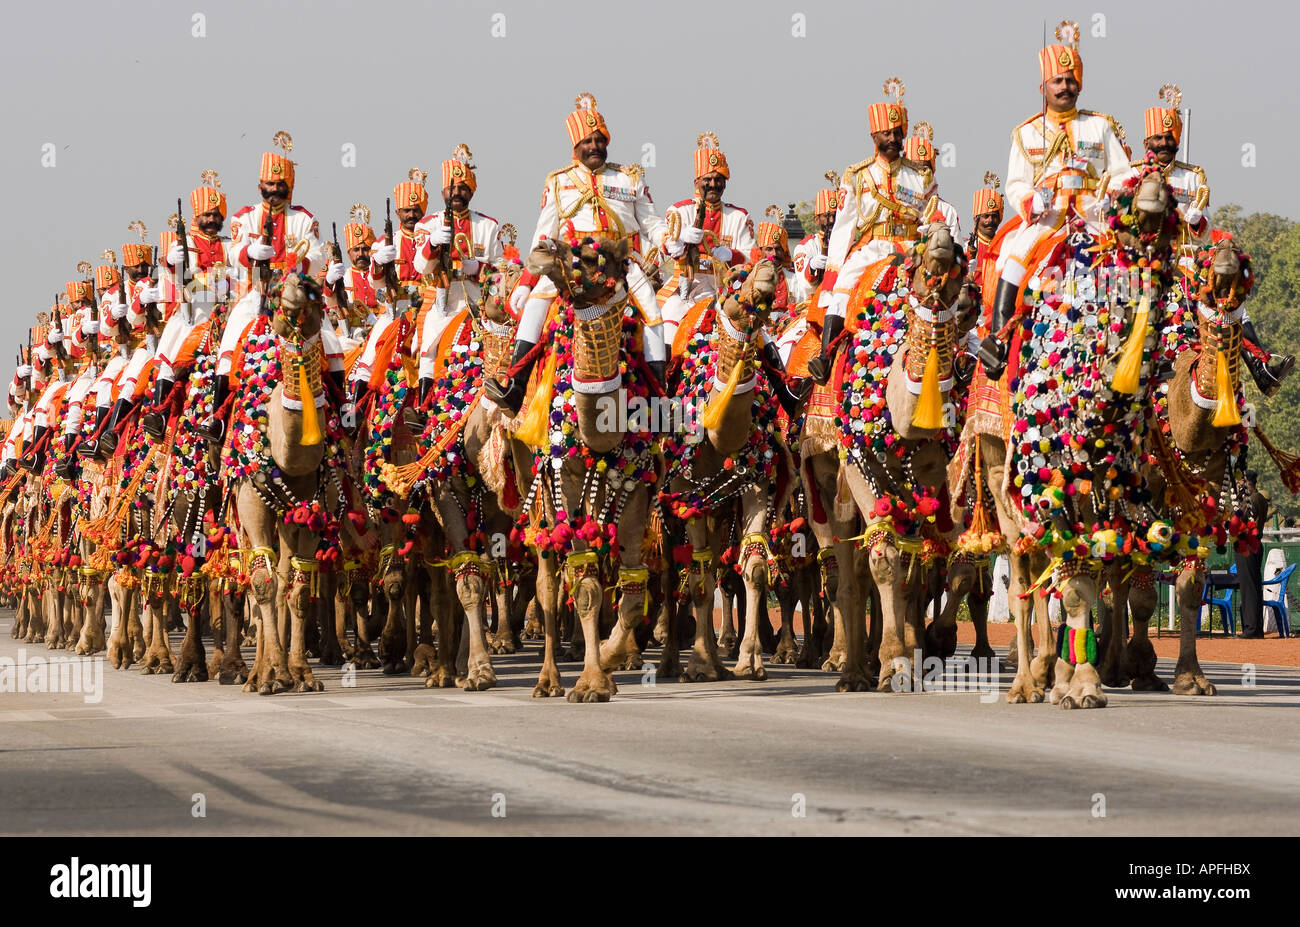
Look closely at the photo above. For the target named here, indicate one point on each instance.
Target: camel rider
(363, 302)
(590, 197)
(883, 202)
(191, 301)
(724, 235)
(986, 214)
(85, 347)
(1164, 130)
(395, 259)
(124, 311)
(33, 373)
(53, 337)
(919, 148)
(474, 250)
(810, 254)
(295, 246)
(1059, 160)
(772, 244)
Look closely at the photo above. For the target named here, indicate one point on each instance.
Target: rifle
(124, 291)
(56, 323)
(390, 269)
(31, 358)
(448, 223)
(268, 234)
(185, 260)
(340, 287)
(692, 257)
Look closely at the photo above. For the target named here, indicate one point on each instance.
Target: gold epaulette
(1115, 126)
(853, 169)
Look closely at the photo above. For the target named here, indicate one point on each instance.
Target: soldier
(919, 149)
(986, 214)
(724, 234)
(1059, 160)
(811, 253)
(294, 246)
(54, 339)
(464, 239)
(592, 197)
(1164, 130)
(883, 201)
(210, 270)
(772, 244)
(86, 348)
(362, 300)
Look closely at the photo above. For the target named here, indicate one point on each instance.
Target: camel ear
(621, 249)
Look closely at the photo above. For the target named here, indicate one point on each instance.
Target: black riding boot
(992, 351)
(510, 396)
(1268, 376)
(107, 443)
(35, 461)
(414, 415)
(154, 422)
(67, 467)
(214, 429)
(87, 448)
(819, 367)
(790, 399)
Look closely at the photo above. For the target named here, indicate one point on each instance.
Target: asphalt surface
(388, 756)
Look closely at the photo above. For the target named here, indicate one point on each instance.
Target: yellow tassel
(1225, 414)
(929, 406)
(1129, 366)
(711, 417)
(535, 428)
(311, 435)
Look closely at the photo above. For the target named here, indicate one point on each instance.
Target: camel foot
(480, 677)
(502, 643)
(396, 668)
(940, 640)
(1024, 691)
(1081, 690)
(704, 669)
(728, 639)
(442, 677)
(1042, 668)
(364, 658)
(750, 666)
(548, 683)
(1112, 675)
(593, 686)
(835, 661)
(670, 665)
(787, 654)
(191, 671)
(854, 680)
(533, 631)
(982, 651)
(629, 658)
(1189, 683)
(424, 660)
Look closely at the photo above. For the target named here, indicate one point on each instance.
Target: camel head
(496, 294)
(297, 307)
(1145, 213)
(1225, 273)
(937, 268)
(747, 298)
(588, 271)
(1152, 203)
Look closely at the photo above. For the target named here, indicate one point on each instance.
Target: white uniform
(882, 205)
(1066, 168)
(474, 243)
(210, 283)
(615, 202)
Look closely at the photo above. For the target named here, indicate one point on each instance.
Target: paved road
(389, 756)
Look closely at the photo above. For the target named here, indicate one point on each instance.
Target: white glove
(174, 255)
(469, 267)
(335, 273)
(519, 296)
(817, 262)
(676, 249)
(148, 294)
(54, 337)
(383, 254)
(690, 235)
(824, 301)
(118, 311)
(721, 253)
(90, 328)
(439, 235)
(43, 353)
(24, 371)
(1193, 216)
(1037, 205)
(839, 305)
(260, 252)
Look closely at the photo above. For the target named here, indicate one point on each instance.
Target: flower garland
(449, 402)
(189, 465)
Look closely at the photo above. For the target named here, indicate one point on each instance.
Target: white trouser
(873, 251)
(75, 414)
(449, 303)
(176, 331)
(366, 362)
(104, 385)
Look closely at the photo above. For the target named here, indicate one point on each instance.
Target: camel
(730, 467)
(589, 490)
(896, 458)
(1098, 442)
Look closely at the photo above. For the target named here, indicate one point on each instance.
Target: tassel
(400, 479)
(1225, 414)
(929, 407)
(535, 430)
(311, 435)
(711, 417)
(1129, 366)
(1288, 465)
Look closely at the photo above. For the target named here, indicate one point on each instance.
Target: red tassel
(1288, 465)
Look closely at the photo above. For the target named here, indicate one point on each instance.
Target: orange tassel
(1288, 465)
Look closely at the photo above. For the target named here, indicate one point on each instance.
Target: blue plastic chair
(1279, 604)
(1224, 606)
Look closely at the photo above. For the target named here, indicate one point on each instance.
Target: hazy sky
(136, 106)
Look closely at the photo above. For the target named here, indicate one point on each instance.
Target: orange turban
(410, 193)
(135, 252)
(205, 199)
(276, 167)
(709, 158)
(357, 234)
(459, 169)
(584, 120)
(78, 290)
(1055, 60)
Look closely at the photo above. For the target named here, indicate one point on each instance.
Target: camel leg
(233, 669)
(135, 615)
(77, 599)
(301, 606)
(1078, 686)
(753, 570)
(728, 639)
(546, 598)
(119, 647)
(705, 664)
(896, 594)
(193, 665)
(92, 631)
(620, 651)
(393, 640)
(410, 611)
(1139, 655)
(787, 648)
(1111, 669)
(506, 637)
(1024, 687)
(429, 580)
(471, 590)
(977, 603)
(594, 684)
(941, 634)
(1188, 677)
(158, 657)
